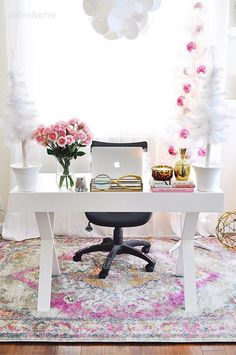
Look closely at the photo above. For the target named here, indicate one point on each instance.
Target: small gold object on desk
(126, 183)
(226, 230)
(162, 172)
(182, 166)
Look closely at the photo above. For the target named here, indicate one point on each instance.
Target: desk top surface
(48, 198)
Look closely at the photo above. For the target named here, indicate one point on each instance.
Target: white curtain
(122, 89)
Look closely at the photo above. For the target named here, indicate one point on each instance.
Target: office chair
(118, 220)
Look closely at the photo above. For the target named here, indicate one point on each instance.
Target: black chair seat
(118, 219)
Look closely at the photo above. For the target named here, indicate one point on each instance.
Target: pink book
(172, 189)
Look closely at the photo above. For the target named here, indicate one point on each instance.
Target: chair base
(123, 247)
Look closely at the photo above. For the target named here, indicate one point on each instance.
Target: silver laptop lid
(117, 161)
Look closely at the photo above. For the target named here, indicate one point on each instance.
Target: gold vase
(182, 166)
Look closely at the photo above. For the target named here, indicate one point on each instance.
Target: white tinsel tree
(20, 119)
(213, 121)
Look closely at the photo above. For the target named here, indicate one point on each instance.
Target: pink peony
(202, 152)
(61, 141)
(82, 136)
(180, 100)
(70, 140)
(187, 88)
(202, 69)
(191, 46)
(172, 150)
(184, 133)
(198, 5)
(53, 136)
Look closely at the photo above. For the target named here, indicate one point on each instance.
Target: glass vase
(65, 175)
(182, 167)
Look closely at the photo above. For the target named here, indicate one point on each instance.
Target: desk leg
(46, 260)
(186, 262)
(55, 265)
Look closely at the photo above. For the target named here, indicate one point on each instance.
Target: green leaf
(80, 154)
(50, 152)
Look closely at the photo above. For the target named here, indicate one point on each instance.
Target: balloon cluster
(117, 18)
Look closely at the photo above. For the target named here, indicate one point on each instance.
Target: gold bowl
(162, 172)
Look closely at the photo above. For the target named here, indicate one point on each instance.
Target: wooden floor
(126, 349)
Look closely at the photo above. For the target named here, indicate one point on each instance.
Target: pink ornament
(191, 46)
(172, 150)
(202, 69)
(198, 5)
(202, 152)
(187, 88)
(180, 101)
(184, 133)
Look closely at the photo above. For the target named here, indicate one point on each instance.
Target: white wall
(4, 152)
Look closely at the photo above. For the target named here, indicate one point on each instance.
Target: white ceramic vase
(207, 178)
(26, 177)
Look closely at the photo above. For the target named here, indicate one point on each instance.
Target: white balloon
(111, 35)
(90, 7)
(100, 25)
(115, 23)
(147, 4)
(139, 16)
(156, 5)
(143, 23)
(131, 30)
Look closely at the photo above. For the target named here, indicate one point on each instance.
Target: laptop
(117, 161)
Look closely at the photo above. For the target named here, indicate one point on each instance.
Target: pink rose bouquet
(64, 140)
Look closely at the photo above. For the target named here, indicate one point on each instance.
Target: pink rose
(82, 136)
(70, 140)
(198, 5)
(172, 150)
(53, 136)
(76, 135)
(184, 133)
(180, 100)
(61, 141)
(202, 69)
(202, 152)
(191, 46)
(47, 131)
(187, 88)
(74, 121)
(62, 132)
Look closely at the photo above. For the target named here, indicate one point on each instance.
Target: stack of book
(175, 186)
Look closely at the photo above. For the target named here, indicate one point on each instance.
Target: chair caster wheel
(145, 249)
(77, 257)
(103, 274)
(149, 267)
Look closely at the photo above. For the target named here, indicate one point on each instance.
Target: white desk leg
(46, 261)
(55, 265)
(186, 262)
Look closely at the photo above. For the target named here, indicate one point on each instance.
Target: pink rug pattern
(130, 305)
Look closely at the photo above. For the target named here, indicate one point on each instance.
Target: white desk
(47, 200)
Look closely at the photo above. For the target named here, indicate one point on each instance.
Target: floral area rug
(130, 305)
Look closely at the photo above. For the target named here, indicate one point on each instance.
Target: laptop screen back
(117, 161)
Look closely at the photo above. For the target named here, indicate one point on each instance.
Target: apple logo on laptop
(117, 164)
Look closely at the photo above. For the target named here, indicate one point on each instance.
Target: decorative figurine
(80, 184)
